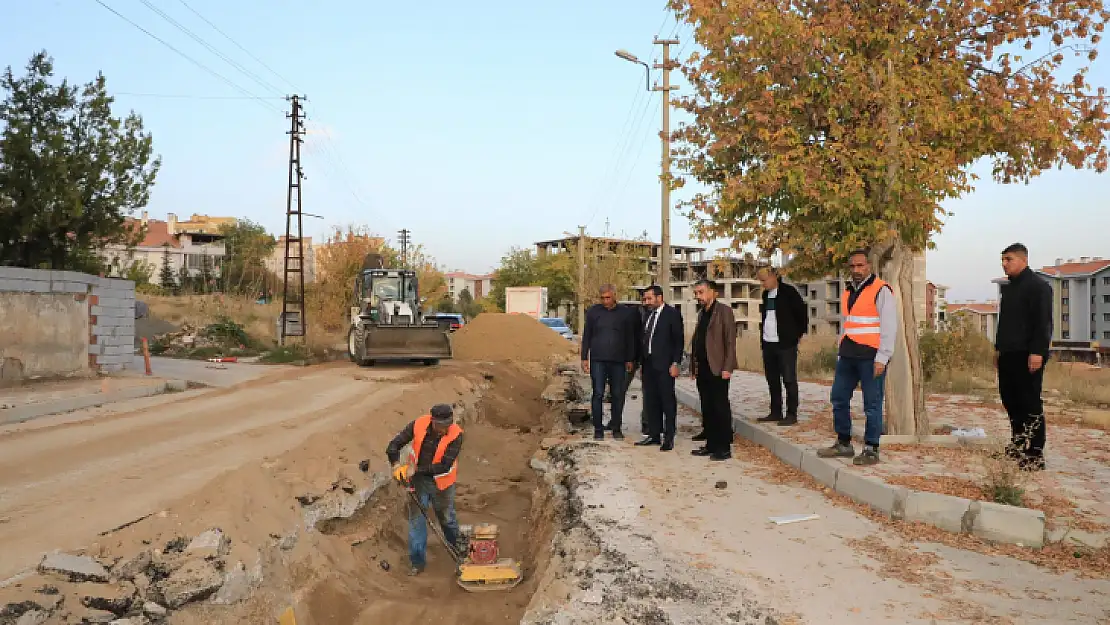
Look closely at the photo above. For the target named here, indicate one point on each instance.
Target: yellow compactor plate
(503, 575)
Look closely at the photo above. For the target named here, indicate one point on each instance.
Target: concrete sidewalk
(664, 511)
(49, 398)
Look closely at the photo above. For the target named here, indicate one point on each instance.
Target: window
(1065, 317)
(1106, 299)
(1063, 301)
(1106, 281)
(1066, 335)
(1106, 334)
(1106, 317)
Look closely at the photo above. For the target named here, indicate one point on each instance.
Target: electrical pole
(665, 180)
(293, 322)
(581, 279)
(404, 239)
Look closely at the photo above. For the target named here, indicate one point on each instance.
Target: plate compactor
(478, 566)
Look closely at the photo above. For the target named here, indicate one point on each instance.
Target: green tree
(247, 246)
(70, 172)
(521, 267)
(166, 278)
(467, 305)
(139, 272)
(819, 127)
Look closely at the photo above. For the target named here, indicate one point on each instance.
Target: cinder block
(24, 286)
(68, 287)
(944, 511)
(822, 470)
(788, 452)
(111, 367)
(763, 438)
(744, 428)
(1008, 524)
(20, 273)
(868, 490)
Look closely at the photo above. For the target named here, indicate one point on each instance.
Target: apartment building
(1081, 292)
(740, 289)
(275, 263)
(187, 243)
(936, 306)
(982, 316)
(479, 285)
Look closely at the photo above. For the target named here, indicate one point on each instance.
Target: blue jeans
(850, 373)
(444, 503)
(602, 371)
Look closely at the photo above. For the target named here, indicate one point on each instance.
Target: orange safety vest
(419, 431)
(861, 322)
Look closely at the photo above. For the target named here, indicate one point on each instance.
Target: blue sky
(477, 129)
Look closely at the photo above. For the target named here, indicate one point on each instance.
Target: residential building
(186, 243)
(1081, 294)
(737, 277)
(479, 286)
(936, 306)
(276, 262)
(982, 316)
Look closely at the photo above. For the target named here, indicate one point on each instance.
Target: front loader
(386, 323)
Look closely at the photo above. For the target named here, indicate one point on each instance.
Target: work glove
(364, 466)
(401, 473)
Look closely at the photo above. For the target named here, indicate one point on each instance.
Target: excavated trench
(496, 485)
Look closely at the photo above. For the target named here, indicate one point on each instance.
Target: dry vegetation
(816, 356)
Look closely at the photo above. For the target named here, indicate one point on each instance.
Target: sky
(478, 129)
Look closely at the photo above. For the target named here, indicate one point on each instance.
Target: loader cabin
(388, 285)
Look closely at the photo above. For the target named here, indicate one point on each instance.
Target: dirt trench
(356, 572)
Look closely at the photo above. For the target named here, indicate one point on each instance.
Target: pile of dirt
(495, 337)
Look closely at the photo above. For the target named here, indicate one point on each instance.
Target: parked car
(559, 326)
(448, 321)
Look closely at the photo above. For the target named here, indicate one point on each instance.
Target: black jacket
(610, 335)
(666, 341)
(790, 313)
(1025, 315)
(424, 465)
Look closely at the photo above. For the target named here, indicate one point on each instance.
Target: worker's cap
(442, 414)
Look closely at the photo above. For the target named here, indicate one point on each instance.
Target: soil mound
(498, 337)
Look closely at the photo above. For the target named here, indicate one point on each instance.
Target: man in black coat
(608, 351)
(1021, 350)
(661, 354)
(784, 319)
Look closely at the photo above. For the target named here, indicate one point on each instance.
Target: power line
(237, 45)
(202, 66)
(189, 96)
(246, 72)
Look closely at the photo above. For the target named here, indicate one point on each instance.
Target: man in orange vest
(436, 440)
(869, 328)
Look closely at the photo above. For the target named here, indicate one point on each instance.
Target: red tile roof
(980, 308)
(1072, 269)
(157, 233)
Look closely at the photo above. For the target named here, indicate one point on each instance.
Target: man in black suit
(661, 354)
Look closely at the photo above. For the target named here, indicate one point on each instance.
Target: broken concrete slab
(1008, 524)
(195, 580)
(340, 504)
(236, 586)
(211, 543)
(34, 617)
(944, 511)
(129, 568)
(74, 568)
(116, 599)
(153, 610)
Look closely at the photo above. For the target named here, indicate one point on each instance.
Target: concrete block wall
(108, 305)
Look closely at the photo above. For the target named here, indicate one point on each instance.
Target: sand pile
(498, 337)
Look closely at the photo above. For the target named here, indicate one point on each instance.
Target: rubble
(195, 580)
(74, 568)
(210, 544)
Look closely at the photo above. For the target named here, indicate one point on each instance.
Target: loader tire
(356, 347)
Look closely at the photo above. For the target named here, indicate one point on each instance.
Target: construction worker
(870, 328)
(436, 440)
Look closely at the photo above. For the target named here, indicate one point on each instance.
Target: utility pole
(404, 239)
(293, 322)
(581, 279)
(665, 180)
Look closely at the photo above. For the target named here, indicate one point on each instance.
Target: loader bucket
(407, 342)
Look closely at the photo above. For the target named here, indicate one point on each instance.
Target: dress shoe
(770, 418)
(701, 451)
(700, 437)
(718, 457)
(788, 421)
(644, 442)
(618, 435)
(666, 446)
(599, 436)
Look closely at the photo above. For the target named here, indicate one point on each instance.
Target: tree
(467, 305)
(166, 277)
(70, 172)
(247, 246)
(521, 267)
(822, 126)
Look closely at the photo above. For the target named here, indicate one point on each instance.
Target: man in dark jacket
(713, 359)
(783, 321)
(1021, 349)
(608, 351)
(661, 353)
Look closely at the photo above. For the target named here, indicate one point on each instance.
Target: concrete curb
(995, 522)
(940, 440)
(20, 414)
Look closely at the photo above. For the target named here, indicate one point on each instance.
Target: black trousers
(716, 411)
(780, 364)
(660, 404)
(645, 427)
(1020, 392)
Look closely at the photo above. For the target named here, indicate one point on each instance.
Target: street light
(631, 58)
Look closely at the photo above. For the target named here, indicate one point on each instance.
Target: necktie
(651, 329)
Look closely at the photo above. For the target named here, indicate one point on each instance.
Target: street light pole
(664, 277)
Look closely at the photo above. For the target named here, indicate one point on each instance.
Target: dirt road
(66, 480)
